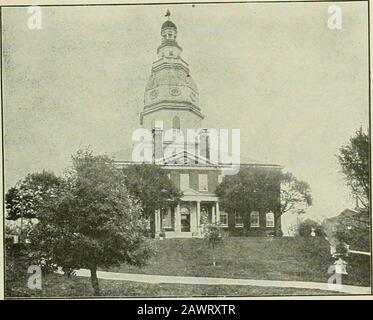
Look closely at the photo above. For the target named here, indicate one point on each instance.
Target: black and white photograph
(186, 150)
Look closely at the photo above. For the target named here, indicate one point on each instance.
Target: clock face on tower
(175, 91)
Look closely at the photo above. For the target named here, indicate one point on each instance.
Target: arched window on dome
(176, 123)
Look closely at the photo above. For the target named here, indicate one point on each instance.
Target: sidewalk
(223, 281)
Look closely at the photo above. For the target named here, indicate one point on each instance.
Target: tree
(306, 227)
(212, 234)
(25, 199)
(91, 221)
(151, 186)
(354, 231)
(354, 160)
(295, 194)
(263, 189)
(349, 227)
(250, 188)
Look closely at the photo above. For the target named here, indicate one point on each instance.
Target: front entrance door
(185, 219)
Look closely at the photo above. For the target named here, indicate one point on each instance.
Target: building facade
(171, 107)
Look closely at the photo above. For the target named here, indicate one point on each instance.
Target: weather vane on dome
(168, 14)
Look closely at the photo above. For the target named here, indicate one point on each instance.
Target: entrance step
(172, 234)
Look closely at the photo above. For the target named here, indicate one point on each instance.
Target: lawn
(60, 286)
(302, 259)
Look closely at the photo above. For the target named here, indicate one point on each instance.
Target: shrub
(305, 228)
(213, 235)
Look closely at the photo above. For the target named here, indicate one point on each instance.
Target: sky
(296, 89)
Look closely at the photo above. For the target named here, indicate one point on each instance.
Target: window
(176, 123)
(223, 218)
(166, 219)
(220, 178)
(184, 181)
(203, 182)
(171, 53)
(270, 220)
(238, 219)
(254, 219)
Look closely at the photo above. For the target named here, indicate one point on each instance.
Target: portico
(186, 218)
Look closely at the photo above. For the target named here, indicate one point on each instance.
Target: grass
(60, 286)
(300, 259)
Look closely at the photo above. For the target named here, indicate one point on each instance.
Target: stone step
(172, 234)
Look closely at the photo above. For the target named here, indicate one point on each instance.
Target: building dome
(168, 24)
(171, 77)
(170, 85)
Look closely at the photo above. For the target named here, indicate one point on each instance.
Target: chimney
(204, 149)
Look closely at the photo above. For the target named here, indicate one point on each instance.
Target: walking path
(147, 278)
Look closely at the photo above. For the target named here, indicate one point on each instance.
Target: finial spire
(168, 14)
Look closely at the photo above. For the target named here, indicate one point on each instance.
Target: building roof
(169, 24)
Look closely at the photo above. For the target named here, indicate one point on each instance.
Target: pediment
(185, 158)
(190, 192)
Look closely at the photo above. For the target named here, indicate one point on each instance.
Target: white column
(217, 213)
(193, 220)
(157, 223)
(177, 219)
(213, 218)
(198, 216)
(160, 220)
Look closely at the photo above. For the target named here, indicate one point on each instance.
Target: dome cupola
(168, 25)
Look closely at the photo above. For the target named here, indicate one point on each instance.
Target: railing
(359, 252)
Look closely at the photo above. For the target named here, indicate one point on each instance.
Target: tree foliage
(26, 197)
(263, 189)
(354, 160)
(250, 189)
(91, 220)
(295, 194)
(152, 187)
(306, 227)
(354, 231)
(212, 234)
(350, 227)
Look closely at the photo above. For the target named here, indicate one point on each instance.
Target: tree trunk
(152, 225)
(278, 231)
(94, 281)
